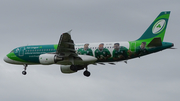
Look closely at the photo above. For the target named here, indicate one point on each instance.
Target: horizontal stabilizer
(155, 42)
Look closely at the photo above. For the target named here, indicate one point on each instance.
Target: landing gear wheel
(87, 73)
(25, 67)
(24, 72)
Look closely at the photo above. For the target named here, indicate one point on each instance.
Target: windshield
(12, 51)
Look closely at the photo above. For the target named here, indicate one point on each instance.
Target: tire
(24, 72)
(87, 73)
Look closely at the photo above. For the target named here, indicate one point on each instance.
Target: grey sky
(151, 78)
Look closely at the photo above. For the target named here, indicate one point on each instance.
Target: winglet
(69, 32)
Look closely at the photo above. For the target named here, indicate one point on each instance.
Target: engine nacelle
(47, 59)
(70, 68)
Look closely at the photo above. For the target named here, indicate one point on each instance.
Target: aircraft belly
(83, 60)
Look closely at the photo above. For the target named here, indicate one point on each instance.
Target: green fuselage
(30, 54)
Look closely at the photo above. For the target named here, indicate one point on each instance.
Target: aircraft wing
(65, 46)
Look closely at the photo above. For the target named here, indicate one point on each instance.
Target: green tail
(158, 27)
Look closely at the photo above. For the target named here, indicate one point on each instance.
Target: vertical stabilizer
(158, 27)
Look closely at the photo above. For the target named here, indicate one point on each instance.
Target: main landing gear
(25, 67)
(86, 72)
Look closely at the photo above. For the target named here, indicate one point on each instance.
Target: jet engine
(47, 59)
(70, 68)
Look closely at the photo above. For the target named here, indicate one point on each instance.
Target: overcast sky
(154, 77)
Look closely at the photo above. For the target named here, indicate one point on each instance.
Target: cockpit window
(12, 51)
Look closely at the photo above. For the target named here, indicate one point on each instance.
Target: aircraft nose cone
(6, 59)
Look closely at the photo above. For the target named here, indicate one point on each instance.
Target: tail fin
(158, 27)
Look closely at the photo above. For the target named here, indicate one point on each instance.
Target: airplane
(74, 57)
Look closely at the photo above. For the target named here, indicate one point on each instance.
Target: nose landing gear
(25, 67)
